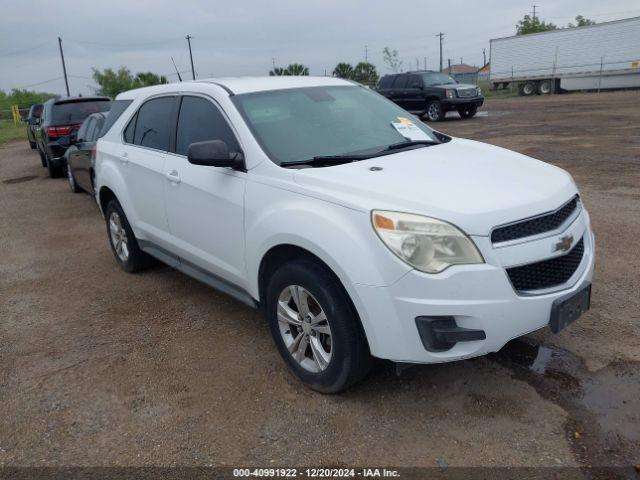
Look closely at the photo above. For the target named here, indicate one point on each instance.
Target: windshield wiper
(411, 143)
(325, 160)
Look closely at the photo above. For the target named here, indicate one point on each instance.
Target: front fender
(341, 237)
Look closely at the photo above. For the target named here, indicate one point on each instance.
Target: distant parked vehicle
(80, 156)
(33, 118)
(431, 94)
(61, 118)
(594, 57)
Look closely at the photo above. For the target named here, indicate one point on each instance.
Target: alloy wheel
(118, 236)
(433, 112)
(304, 328)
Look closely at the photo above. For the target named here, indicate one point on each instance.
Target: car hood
(473, 185)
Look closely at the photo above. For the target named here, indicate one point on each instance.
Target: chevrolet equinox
(359, 231)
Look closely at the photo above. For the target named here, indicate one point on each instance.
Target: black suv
(33, 118)
(62, 118)
(431, 94)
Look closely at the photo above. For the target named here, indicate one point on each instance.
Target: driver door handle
(173, 176)
(124, 158)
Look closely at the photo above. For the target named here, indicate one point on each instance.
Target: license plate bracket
(566, 310)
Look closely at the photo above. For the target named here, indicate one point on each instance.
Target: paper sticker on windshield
(408, 129)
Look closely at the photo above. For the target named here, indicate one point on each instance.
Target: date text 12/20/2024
(316, 473)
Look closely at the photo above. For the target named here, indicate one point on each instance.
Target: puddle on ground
(603, 404)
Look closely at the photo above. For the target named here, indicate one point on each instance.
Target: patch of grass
(9, 131)
(501, 93)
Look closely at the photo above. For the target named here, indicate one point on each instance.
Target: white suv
(356, 228)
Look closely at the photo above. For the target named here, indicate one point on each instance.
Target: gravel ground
(100, 368)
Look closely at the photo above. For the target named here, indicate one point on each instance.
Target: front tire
(315, 327)
(32, 145)
(123, 242)
(434, 111)
(468, 112)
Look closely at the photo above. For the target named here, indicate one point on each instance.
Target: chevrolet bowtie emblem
(564, 244)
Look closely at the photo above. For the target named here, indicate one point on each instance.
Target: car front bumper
(455, 103)
(478, 297)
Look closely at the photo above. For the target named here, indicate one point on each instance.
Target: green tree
(365, 73)
(343, 70)
(292, 69)
(297, 69)
(112, 83)
(277, 72)
(146, 79)
(392, 59)
(21, 97)
(581, 22)
(531, 24)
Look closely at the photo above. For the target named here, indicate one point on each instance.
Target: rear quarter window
(386, 81)
(117, 108)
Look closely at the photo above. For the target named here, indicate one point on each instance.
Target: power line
(22, 50)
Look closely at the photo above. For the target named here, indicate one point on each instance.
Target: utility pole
(534, 11)
(440, 35)
(425, 63)
(417, 65)
(64, 67)
(460, 60)
(193, 72)
(366, 54)
(449, 62)
(484, 56)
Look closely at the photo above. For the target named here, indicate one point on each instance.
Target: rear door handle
(124, 158)
(173, 176)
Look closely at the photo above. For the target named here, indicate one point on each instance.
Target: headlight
(451, 93)
(425, 243)
(479, 91)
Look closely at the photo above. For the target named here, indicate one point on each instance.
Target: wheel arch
(283, 253)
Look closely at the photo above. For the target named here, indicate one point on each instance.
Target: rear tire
(331, 354)
(43, 160)
(123, 242)
(54, 172)
(468, 112)
(545, 87)
(434, 111)
(527, 89)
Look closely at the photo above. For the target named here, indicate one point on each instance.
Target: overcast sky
(244, 37)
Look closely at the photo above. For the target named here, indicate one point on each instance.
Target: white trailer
(594, 57)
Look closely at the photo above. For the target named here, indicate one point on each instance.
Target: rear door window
(201, 120)
(153, 123)
(84, 129)
(400, 82)
(75, 112)
(414, 81)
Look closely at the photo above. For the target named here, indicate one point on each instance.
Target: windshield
(302, 123)
(437, 79)
(76, 112)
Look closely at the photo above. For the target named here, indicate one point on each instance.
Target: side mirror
(65, 141)
(214, 153)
